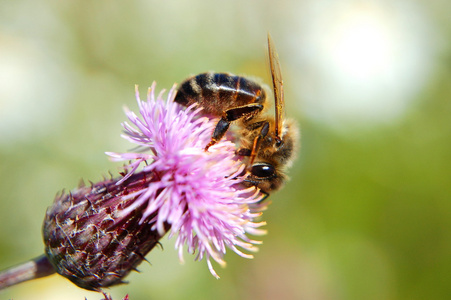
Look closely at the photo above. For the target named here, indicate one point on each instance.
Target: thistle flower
(96, 234)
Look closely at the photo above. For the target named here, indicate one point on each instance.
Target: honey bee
(267, 143)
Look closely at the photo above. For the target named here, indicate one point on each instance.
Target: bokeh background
(367, 213)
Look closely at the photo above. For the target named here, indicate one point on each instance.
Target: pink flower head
(198, 194)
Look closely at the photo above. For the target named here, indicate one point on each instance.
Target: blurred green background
(367, 213)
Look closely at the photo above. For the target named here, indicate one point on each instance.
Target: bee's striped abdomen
(217, 92)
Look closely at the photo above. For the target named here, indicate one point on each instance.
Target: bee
(267, 143)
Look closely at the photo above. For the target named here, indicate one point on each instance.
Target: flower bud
(88, 241)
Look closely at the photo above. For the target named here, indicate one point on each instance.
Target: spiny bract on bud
(97, 234)
(88, 241)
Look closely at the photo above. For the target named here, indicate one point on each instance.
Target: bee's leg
(256, 145)
(244, 152)
(265, 196)
(230, 115)
(253, 126)
(263, 133)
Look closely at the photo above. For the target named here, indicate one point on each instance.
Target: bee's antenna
(277, 84)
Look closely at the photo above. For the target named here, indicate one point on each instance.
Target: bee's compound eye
(263, 170)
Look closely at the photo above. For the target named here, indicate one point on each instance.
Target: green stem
(36, 268)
